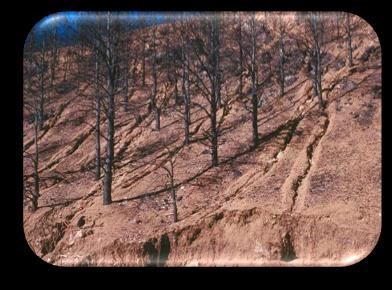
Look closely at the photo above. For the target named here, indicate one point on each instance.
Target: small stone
(72, 239)
(86, 261)
(237, 173)
(81, 221)
(179, 198)
(79, 234)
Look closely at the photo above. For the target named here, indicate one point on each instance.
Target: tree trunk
(317, 34)
(215, 96)
(255, 121)
(175, 94)
(97, 124)
(54, 57)
(126, 76)
(241, 59)
(143, 62)
(125, 100)
(254, 87)
(157, 118)
(66, 67)
(35, 195)
(187, 120)
(41, 108)
(107, 185)
(42, 88)
(281, 65)
(318, 77)
(107, 192)
(337, 25)
(155, 108)
(173, 196)
(214, 134)
(349, 38)
(185, 92)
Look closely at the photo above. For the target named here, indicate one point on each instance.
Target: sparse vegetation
(209, 129)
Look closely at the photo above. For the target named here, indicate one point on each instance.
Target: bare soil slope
(310, 194)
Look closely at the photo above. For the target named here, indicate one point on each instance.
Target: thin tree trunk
(214, 133)
(175, 93)
(97, 123)
(41, 106)
(254, 88)
(241, 59)
(107, 194)
(143, 62)
(173, 195)
(337, 25)
(66, 67)
(54, 57)
(318, 77)
(317, 59)
(215, 96)
(42, 88)
(349, 39)
(254, 120)
(125, 100)
(126, 76)
(157, 118)
(185, 88)
(107, 185)
(281, 65)
(155, 108)
(35, 195)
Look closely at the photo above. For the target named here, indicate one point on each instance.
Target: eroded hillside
(309, 194)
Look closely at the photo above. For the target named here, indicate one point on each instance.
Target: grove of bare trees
(172, 61)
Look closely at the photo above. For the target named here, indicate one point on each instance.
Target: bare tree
(316, 27)
(215, 83)
(185, 64)
(105, 39)
(153, 106)
(208, 62)
(169, 168)
(33, 98)
(34, 158)
(111, 79)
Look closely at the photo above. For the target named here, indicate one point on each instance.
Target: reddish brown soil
(310, 194)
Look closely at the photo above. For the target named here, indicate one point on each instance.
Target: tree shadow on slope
(227, 161)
